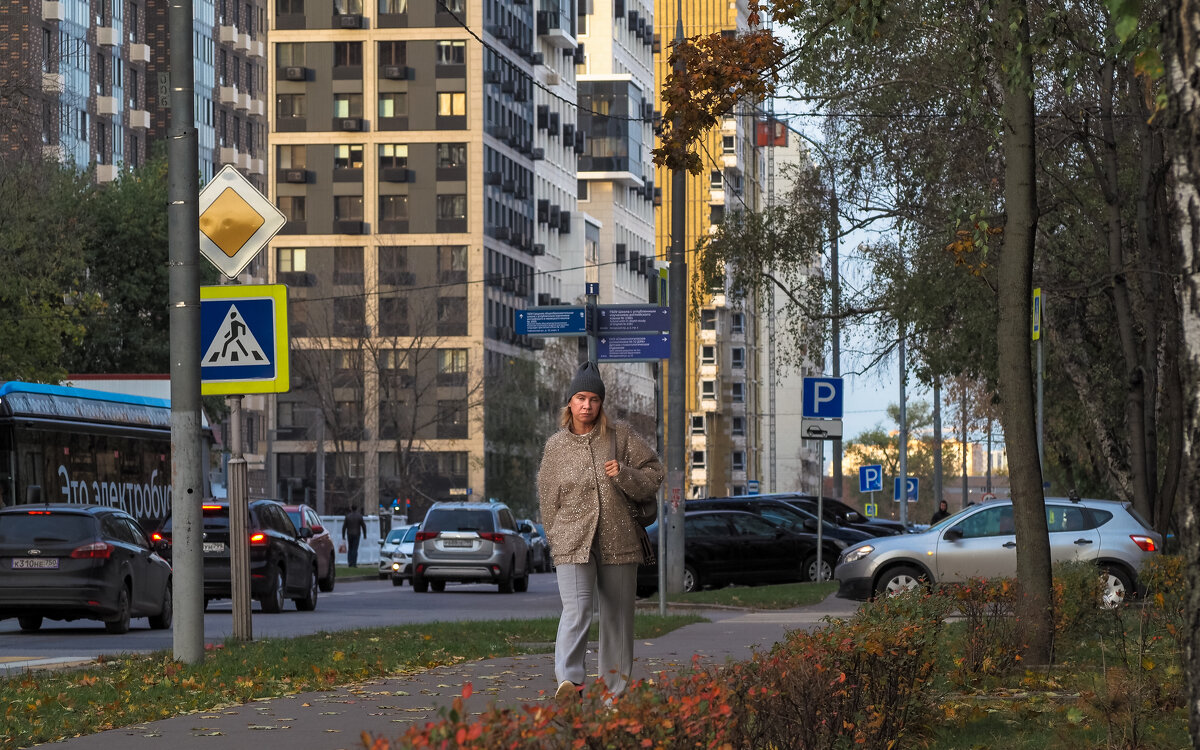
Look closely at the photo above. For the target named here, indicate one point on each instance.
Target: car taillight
(157, 537)
(424, 536)
(95, 550)
(258, 539)
(1144, 543)
(492, 536)
(38, 512)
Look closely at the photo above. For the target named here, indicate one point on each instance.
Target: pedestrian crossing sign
(244, 339)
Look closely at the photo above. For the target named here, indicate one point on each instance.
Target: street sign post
(911, 487)
(870, 478)
(551, 321)
(236, 221)
(244, 339)
(634, 348)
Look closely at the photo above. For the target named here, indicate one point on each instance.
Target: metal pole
(239, 526)
(903, 437)
(321, 509)
(835, 326)
(677, 372)
(590, 301)
(1041, 445)
(937, 435)
(183, 220)
(820, 511)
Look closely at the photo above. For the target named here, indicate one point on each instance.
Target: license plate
(35, 563)
(456, 542)
(214, 546)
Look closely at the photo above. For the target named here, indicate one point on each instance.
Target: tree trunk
(1013, 335)
(1181, 30)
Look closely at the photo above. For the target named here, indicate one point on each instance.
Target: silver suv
(979, 542)
(470, 543)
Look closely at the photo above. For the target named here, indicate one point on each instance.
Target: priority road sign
(870, 478)
(236, 221)
(244, 339)
(634, 348)
(911, 486)
(822, 398)
(558, 320)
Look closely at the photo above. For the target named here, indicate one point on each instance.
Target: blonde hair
(566, 419)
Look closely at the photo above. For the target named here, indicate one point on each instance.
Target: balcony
(243, 161)
(243, 100)
(106, 172)
(729, 126)
(708, 336)
(228, 155)
(139, 52)
(107, 105)
(243, 42)
(258, 49)
(228, 95)
(54, 153)
(227, 34)
(258, 107)
(258, 166)
(52, 83)
(139, 118)
(555, 29)
(52, 10)
(729, 160)
(107, 36)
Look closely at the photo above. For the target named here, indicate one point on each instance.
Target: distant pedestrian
(590, 471)
(352, 530)
(940, 513)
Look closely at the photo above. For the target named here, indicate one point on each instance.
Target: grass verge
(45, 706)
(779, 596)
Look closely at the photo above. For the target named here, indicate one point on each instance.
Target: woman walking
(590, 469)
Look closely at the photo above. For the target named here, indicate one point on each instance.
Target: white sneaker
(567, 692)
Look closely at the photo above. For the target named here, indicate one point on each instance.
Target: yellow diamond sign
(236, 221)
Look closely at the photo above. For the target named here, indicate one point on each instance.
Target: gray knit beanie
(587, 378)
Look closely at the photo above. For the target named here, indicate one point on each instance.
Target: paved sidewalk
(335, 720)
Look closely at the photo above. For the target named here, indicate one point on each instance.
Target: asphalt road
(352, 604)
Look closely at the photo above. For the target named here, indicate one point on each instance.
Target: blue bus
(60, 444)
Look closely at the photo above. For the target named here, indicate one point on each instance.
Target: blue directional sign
(912, 489)
(822, 398)
(634, 348)
(870, 478)
(244, 339)
(552, 321)
(633, 319)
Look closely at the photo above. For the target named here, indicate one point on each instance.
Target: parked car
(304, 517)
(470, 543)
(282, 565)
(71, 562)
(979, 542)
(539, 550)
(793, 519)
(730, 546)
(395, 554)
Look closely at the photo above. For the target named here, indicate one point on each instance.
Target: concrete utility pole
(903, 435)
(183, 221)
(672, 520)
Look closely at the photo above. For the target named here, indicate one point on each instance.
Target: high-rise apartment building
(724, 404)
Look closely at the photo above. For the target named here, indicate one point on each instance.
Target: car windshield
(950, 519)
(54, 527)
(395, 537)
(411, 533)
(461, 519)
(295, 516)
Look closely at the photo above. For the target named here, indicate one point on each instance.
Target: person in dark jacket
(591, 469)
(352, 530)
(940, 513)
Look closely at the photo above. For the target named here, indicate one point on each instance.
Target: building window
(393, 321)
(393, 7)
(393, 208)
(452, 316)
(347, 7)
(738, 322)
(452, 206)
(393, 155)
(452, 104)
(708, 320)
(288, 54)
(452, 264)
(348, 156)
(452, 366)
(289, 7)
(738, 355)
(739, 426)
(347, 360)
(452, 419)
(697, 424)
(347, 208)
(452, 154)
(291, 259)
(697, 459)
(348, 265)
(451, 53)
(393, 104)
(347, 54)
(347, 105)
(393, 53)
(291, 206)
(393, 265)
(739, 393)
(739, 460)
(708, 389)
(708, 355)
(715, 179)
(349, 316)
(291, 157)
(290, 105)
(727, 144)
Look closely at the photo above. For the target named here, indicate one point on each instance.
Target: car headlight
(396, 566)
(858, 553)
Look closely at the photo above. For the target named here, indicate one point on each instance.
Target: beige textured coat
(579, 501)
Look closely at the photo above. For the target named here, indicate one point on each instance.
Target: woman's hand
(612, 468)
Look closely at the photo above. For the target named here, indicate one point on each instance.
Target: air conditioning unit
(647, 111)
(508, 186)
(502, 233)
(568, 133)
(538, 154)
(539, 249)
(543, 298)
(537, 58)
(395, 72)
(508, 86)
(350, 123)
(552, 124)
(620, 252)
(491, 76)
(633, 19)
(580, 142)
(295, 176)
(353, 21)
(295, 73)
(564, 222)
(491, 178)
(634, 256)
(552, 78)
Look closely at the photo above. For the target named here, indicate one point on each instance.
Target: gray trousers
(578, 587)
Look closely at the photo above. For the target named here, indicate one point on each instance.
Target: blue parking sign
(870, 478)
(822, 398)
(912, 485)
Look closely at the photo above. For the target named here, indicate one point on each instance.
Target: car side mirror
(853, 517)
(305, 533)
(953, 535)
(810, 524)
(525, 528)
(318, 529)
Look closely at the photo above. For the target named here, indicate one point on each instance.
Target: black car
(834, 539)
(69, 562)
(834, 511)
(727, 546)
(282, 565)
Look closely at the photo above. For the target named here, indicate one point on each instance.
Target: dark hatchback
(728, 546)
(69, 562)
(282, 565)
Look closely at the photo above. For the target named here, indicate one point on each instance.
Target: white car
(398, 539)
